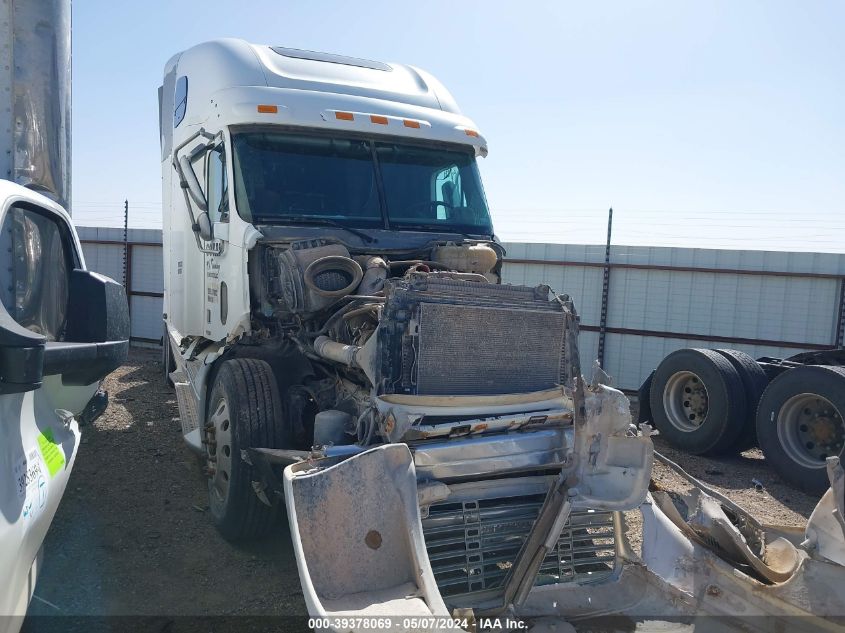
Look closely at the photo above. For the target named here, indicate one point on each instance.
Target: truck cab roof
(230, 81)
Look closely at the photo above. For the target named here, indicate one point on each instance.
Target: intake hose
(338, 352)
(376, 272)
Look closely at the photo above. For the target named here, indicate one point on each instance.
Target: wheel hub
(685, 401)
(823, 430)
(218, 441)
(810, 429)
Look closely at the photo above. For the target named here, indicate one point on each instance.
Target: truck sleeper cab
(334, 309)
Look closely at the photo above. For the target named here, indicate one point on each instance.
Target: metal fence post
(125, 241)
(605, 290)
(840, 321)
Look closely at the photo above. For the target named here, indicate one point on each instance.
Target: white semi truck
(62, 328)
(342, 349)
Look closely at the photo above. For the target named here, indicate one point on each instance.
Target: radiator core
(483, 350)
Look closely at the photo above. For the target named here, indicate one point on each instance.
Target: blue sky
(716, 124)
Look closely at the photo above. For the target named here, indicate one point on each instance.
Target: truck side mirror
(191, 183)
(204, 227)
(54, 319)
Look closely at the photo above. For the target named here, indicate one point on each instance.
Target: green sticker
(51, 452)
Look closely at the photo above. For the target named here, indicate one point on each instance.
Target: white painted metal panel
(147, 274)
(106, 259)
(775, 308)
(145, 317)
(742, 306)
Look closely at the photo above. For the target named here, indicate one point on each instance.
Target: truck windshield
(357, 182)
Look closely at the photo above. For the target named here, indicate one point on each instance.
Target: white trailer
(62, 328)
(343, 349)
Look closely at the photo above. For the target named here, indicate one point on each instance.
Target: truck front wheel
(244, 411)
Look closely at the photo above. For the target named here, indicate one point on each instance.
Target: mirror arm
(187, 177)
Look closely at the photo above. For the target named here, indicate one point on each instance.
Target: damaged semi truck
(343, 351)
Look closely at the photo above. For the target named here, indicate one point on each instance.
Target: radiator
(471, 350)
(451, 337)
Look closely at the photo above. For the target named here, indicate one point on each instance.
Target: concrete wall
(659, 300)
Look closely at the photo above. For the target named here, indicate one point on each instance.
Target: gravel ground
(133, 537)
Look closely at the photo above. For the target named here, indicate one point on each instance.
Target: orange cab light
(471, 132)
(268, 109)
(344, 116)
(381, 120)
(411, 123)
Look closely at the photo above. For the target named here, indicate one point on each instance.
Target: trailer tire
(697, 402)
(244, 410)
(798, 408)
(754, 381)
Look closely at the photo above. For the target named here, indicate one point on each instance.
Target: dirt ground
(132, 536)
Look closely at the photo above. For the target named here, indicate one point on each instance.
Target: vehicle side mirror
(97, 331)
(98, 311)
(192, 183)
(21, 356)
(204, 227)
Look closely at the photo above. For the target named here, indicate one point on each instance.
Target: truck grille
(472, 544)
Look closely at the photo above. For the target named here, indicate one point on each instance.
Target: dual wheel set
(722, 402)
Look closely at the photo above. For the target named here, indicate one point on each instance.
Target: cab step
(188, 414)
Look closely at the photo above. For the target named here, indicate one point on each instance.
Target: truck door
(62, 329)
(222, 261)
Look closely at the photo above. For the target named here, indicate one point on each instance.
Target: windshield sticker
(52, 453)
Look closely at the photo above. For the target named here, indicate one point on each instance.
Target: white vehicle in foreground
(342, 345)
(62, 328)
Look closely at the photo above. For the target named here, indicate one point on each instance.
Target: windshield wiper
(329, 222)
(429, 228)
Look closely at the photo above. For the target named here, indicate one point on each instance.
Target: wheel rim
(219, 452)
(810, 429)
(685, 401)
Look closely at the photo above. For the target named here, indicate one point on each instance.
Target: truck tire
(697, 402)
(754, 381)
(644, 400)
(244, 410)
(800, 424)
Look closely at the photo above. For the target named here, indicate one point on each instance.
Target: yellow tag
(51, 452)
